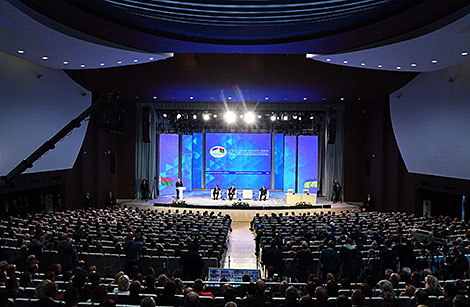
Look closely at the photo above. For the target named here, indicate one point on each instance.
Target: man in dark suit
(263, 192)
(368, 204)
(216, 192)
(145, 189)
(178, 184)
(86, 201)
(110, 200)
(260, 298)
(231, 192)
(336, 197)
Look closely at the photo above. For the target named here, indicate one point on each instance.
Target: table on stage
(292, 199)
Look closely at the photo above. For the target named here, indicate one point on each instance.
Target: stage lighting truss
(286, 122)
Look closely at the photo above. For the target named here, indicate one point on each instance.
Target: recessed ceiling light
(434, 61)
(464, 53)
(20, 51)
(379, 66)
(191, 97)
(44, 58)
(154, 97)
(135, 60)
(83, 65)
(259, 116)
(323, 98)
(398, 67)
(328, 60)
(119, 62)
(363, 64)
(229, 98)
(345, 61)
(342, 98)
(413, 64)
(151, 58)
(101, 64)
(65, 62)
(305, 98)
(266, 98)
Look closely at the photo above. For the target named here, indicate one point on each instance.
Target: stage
(200, 200)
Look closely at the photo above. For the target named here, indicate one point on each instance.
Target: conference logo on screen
(218, 152)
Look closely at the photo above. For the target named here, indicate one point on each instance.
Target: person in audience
(449, 292)
(199, 289)
(99, 294)
(193, 266)
(358, 298)
(405, 253)
(231, 192)
(394, 279)
(459, 263)
(150, 285)
(123, 285)
(343, 301)
(388, 257)
(132, 248)
(351, 260)
(272, 258)
(291, 298)
(461, 301)
(66, 252)
(421, 297)
(191, 299)
(168, 296)
(433, 287)
(148, 302)
(303, 259)
(216, 192)
(321, 297)
(409, 290)
(133, 298)
(259, 298)
(71, 297)
(241, 290)
(263, 193)
(329, 259)
(46, 291)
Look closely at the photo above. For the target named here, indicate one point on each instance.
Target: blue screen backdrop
(186, 160)
(168, 163)
(242, 159)
(197, 161)
(307, 167)
(278, 161)
(290, 151)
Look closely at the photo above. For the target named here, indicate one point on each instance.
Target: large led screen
(242, 159)
(168, 163)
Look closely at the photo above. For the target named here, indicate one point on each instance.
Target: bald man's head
(191, 299)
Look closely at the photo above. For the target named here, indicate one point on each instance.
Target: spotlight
(250, 117)
(300, 118)
(311, 117)
(294, 116)
(230, 117)
(215, 115)
(194, 116)
(206, 116)
(273, 118)
(164, 115)
(178, 116)
(259, 116)
(285, 117)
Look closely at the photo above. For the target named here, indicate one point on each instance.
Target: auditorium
(234, 153)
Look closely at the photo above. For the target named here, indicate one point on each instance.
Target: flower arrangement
(178, 202)
(303, 204)
(240, 204)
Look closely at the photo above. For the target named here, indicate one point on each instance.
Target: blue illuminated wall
(243, 159)
(279, 161)
(186, 160)
(290, 151)
(168, 163)
(307, 167)
(197, 161)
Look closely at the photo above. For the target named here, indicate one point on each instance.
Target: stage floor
(277, 200)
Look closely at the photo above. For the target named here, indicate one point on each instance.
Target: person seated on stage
(263, 192)
(231, 192)
(178, 184)
(216, 192)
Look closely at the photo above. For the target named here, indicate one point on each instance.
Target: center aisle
(241, 248)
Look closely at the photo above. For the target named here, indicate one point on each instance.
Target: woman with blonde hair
(433, 287)
(123, 285)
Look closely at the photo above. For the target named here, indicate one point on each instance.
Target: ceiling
(32, 40)
(224, 27)
(242, 77)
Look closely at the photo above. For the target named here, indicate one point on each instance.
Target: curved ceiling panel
(245, 20)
